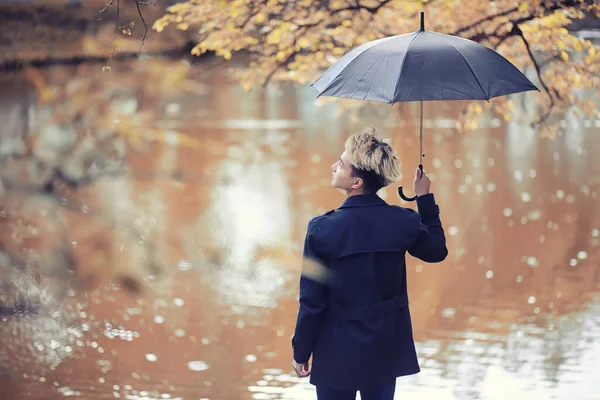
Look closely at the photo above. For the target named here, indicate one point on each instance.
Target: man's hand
(421, 184)
(302, 370)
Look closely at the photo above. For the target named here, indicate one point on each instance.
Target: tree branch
(519, 32)
(358, 6)
(488, 18)
(287, 60)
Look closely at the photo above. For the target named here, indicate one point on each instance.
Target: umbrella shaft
(421, 136)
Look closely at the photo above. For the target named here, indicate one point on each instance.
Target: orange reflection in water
(216, 247)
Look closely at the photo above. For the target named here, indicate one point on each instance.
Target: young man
(354, 318)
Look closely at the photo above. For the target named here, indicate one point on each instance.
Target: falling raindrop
(178, 302)
(518, 176)
(573, 262)
(179, 332)
(489, 274)
(159, 319)
(448, 312)
(452, 230)
(507, 212)
(184, 265)
(533, 262)
(582, 255)
(560, 194)
(595, 233)
(151, 357)
(531, 299)
(250, 358)
(525, 197)
(197, 366)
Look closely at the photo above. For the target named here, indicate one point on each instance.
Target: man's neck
(354, 193)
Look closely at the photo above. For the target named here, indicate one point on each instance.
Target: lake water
(178, 278)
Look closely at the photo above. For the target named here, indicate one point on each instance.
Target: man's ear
(358, 183)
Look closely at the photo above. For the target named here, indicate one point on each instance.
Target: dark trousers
(385, 392)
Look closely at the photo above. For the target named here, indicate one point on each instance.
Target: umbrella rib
(471, 69)
(372, 77)
(402, 67)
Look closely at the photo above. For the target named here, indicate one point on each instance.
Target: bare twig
(117, 19)
(101, 11)
(137, 4)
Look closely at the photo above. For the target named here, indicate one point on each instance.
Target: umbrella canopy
(421, 66)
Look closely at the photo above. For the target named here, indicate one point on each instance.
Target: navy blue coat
(353, 317)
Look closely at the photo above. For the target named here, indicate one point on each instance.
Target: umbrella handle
(401, 191)
(403, 196)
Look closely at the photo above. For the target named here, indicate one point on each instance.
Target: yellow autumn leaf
(564, 56)
(280, 55)
(303, 42)
(523, 7)
(260, 18)
(274, 36)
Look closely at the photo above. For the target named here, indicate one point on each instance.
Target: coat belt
(375, 309)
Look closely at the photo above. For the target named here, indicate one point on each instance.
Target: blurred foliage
(296, 40)
(86, 127)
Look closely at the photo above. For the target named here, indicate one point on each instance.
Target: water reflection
(207, 226)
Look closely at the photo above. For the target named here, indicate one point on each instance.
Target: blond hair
(367, 151)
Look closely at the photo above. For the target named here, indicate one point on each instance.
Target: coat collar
(363, 200)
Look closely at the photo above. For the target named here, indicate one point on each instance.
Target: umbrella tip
(422, 20)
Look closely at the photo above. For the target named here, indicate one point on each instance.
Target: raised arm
(430, 245)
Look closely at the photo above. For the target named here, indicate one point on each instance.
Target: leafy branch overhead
(297, 40)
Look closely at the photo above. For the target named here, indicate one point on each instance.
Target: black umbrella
(421, 66)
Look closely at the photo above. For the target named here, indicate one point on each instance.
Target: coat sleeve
(313, 298)
(430, 245)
